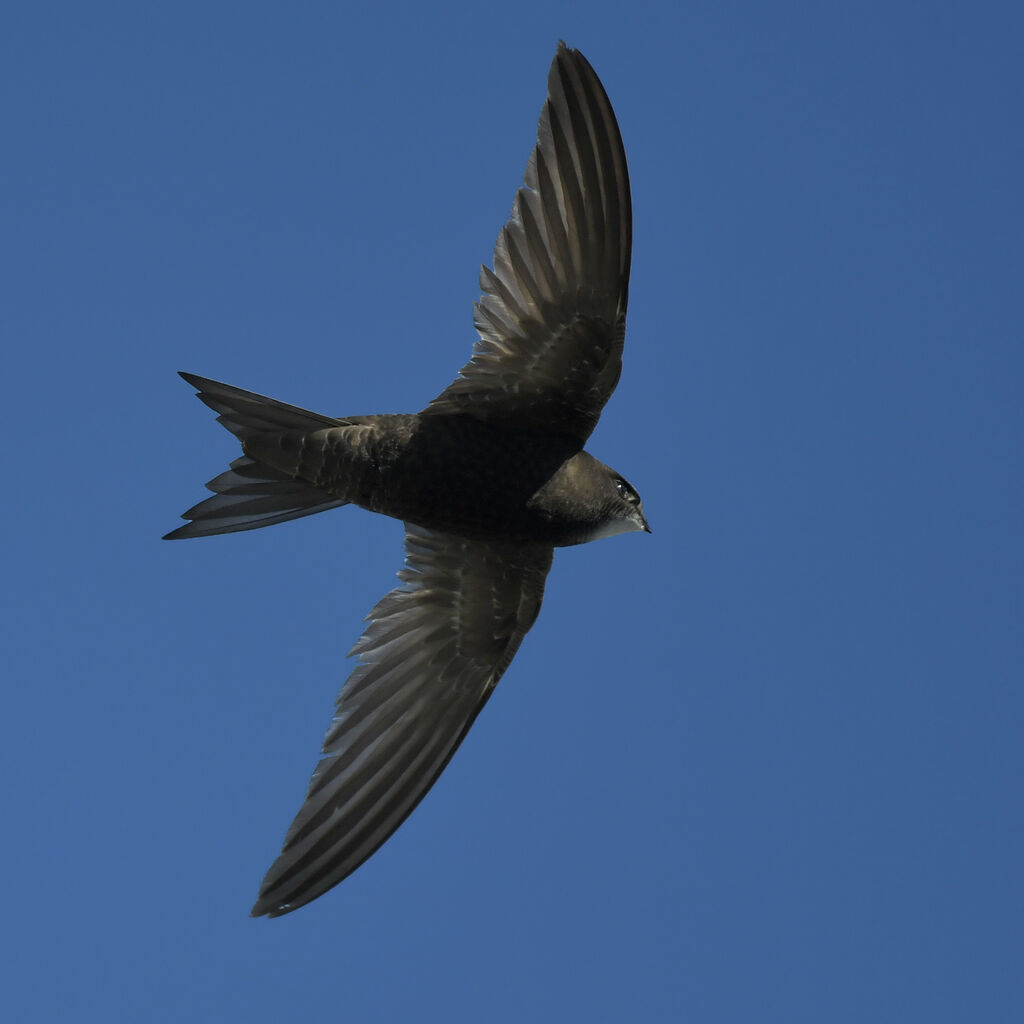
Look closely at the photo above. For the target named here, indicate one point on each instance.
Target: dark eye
(625, 491)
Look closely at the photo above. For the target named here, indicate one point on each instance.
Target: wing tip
(264, 908)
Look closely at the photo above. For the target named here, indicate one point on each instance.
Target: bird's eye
(625, 491)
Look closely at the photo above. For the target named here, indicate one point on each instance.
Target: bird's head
(586, 500)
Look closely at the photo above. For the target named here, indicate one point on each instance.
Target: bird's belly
(461, 476)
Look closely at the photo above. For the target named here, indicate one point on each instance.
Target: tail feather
(245, 413)
(250, 494)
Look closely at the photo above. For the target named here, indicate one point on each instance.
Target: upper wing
(553, 314)
(432, 654)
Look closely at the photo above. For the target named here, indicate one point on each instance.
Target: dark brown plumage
(489, 478)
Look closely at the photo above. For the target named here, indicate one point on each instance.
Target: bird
(488, 479)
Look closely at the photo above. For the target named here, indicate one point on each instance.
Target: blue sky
(765, 764)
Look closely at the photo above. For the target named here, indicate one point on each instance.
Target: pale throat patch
(612, 528)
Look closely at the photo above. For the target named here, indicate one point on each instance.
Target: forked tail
(250, 494)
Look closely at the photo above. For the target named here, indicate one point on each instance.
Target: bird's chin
(613, 527)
